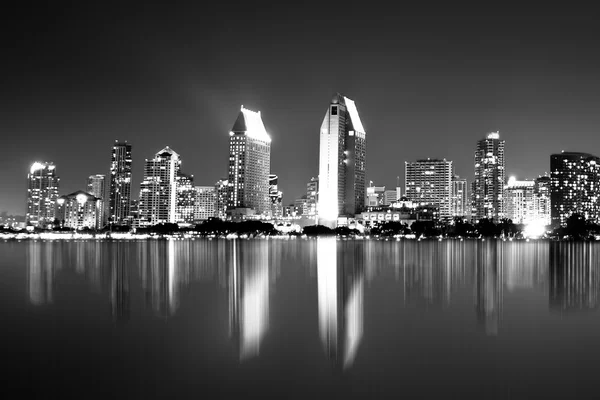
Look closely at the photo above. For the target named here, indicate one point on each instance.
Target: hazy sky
(427, 83)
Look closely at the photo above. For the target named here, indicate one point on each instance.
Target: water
(298, 318)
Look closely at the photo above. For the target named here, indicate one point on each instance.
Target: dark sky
(427, 82)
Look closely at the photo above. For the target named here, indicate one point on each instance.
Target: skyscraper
(249, 163)
(542, 200)
(312, 196)
(575, 183)
(186, 198)
(519, 201)
(460, 198)
(42, 192)
(158, 195)
(222, 193)
(342, 162)
(120, 183)
(276, 197)
(429, 181)
(490, 178)
(206, 203)
(96, 186)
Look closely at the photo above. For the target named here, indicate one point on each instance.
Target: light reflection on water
(155, 279)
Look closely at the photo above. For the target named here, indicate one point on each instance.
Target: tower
(42, 193)
(490, 178)
(120, 184)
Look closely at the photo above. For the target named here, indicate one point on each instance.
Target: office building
(542, 200)
(429, 181)
(206, 205)
(390, 197)
(490, 178)
(96, 186)
(222, 194)
(249, 164)
(276, 197)
(79, 210)
(119, 196)
(520, 201)
(375, 196)
(575, 184)
(42, 192)
(312, 196)
(186, 199)
(342, 162)
(461, 203)
(158, 195)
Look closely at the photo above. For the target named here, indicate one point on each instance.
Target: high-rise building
(390, 197)
(42, 192)
(312, 196)
(542, 200)
(490, 178)
(429, 181)
(158, 195)
(96, 186)
(186, 199)
(222, 193)
(276, 197)
(342, 162)
(575, 183)
(460, 198)
(79, 210)
(249, 164)
(206, 203)
(119, 197)
(519, 201)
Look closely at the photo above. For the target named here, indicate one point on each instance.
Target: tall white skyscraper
(158, 195)
(249, 164)
(42, 193)
(342, 162)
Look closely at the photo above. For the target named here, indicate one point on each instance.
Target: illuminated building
(158, 195)
(96, 186)
(312, 196)
(301, 206)
(429, 181)
(575, 186)
(490, 178)
(460, 202)
(389, 197)
(221, 190)
(79, 210)
(186, 198)
(119, 196)
(42, 192)
(276, 197)
(206, 203)
(342, 162)
(375, 196)
(519, 201)
(249, 164)
(542, 199)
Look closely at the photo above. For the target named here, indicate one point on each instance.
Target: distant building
(429, 181)
(301, 206)
(490, 178)
(342, 162)
(312, 196)
(276, 197)
(158, 195)
(119, 195)
(461, 203)
(390, 196)
(519, 201)
(206, 203)
(542, 200)
(42, 193)
(575, 179)
(186, 199)
(222, 196)
(79, 210)
(249, 164)
(375, 196)
(403, 210)
(96, 186)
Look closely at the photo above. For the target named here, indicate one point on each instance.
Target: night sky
(427, 82)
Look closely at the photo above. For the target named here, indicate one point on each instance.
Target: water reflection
(40, 273)
(340, 291)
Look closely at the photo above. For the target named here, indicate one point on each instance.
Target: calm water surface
(316, 318)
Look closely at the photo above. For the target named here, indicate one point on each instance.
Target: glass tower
(120, 184)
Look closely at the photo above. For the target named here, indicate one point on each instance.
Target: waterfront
(300, 317)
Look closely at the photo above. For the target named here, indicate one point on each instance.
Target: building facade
(42, 193)
(96, 186)
(461, 203)
(429, 181)
(222, 193)
(490, 178)
(312, 196)
(342, 162)
(374, 196)
(79, 210)
(519, 201)
(249, 164)
(542, 200)
(186, 199)
(158, 194)
(574, 187)
(207, 203)
(119, 197)
(276, 197)
(390, 197)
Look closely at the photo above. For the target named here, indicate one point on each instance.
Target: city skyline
(440, 88)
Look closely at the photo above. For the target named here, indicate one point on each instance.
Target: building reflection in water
(248, 284)
(119, 282)
(574, 276)
(40, 272)
(340, 297)
(488, 285)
